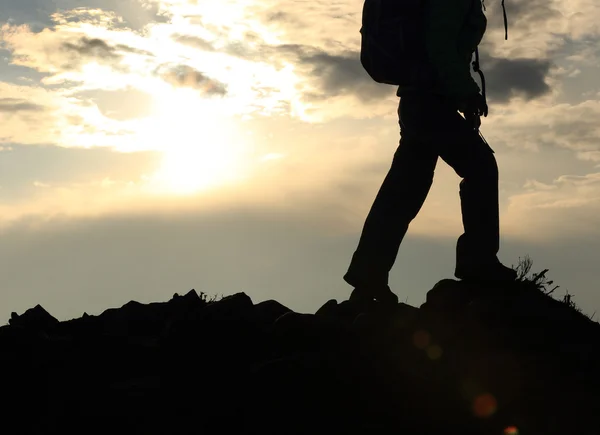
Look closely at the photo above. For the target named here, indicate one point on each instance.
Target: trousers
(430, 127)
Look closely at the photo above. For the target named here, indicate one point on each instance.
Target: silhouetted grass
(540, 282)
(208, 299)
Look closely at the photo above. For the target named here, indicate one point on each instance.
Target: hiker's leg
(474, 161)
(398, 201)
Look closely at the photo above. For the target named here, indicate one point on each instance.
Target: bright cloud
(565, 209)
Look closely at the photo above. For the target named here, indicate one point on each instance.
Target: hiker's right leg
(473, 160)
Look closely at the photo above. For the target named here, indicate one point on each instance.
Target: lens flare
(434, 352)
(485, 405)
(421, 339)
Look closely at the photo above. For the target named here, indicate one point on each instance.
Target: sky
(151, 147)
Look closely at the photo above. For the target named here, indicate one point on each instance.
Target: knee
(484, 168)
(492, 167)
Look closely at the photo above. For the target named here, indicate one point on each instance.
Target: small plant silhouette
(540, 282)
(537, 280)
(207, 300)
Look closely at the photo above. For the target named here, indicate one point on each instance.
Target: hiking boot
(485, 272)
(380, 293)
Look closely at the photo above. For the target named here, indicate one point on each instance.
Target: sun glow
(201, 145)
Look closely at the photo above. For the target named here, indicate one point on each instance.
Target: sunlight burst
(202, 148)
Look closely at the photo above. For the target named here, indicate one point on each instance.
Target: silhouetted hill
(472, 360)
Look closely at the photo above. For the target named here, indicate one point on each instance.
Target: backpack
(393, 43)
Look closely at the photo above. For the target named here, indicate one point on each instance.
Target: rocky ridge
(473, 359)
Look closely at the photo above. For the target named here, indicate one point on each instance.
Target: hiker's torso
(473, 26)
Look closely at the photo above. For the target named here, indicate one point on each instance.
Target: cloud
(11, 105)
(566, 208)
(86, 49)
(55, 117)
(542, 123)
(506, 78)
(57, 51)
(323, 75)
(23, 165)
(285, 58)
(37, 14)
(122, 105)
(193, 41)
(186, 76)
(342, 75)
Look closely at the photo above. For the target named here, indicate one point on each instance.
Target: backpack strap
(476, 63)
(478, 70)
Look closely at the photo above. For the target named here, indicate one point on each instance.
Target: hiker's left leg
(397, 203)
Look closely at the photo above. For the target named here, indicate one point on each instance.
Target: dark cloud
(506, 78)
(133, 50)
(88, 47)
(193, 41)
(281, 17)
(332, 74)
(11, 105)
(344, 74)
(186, 76)
(97, 49)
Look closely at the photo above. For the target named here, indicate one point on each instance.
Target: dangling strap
(477, 70)
(505, 18)
(476, 63)
(505, 22)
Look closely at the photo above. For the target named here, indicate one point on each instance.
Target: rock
(390, 324)
(347, 311)
(328, 309)
(284, 390)
(180, 306)
(234, 306)
(36, 318)
(134, 319)
(405, 315)
(190, 297)
(366, 322)
(268, 312)
(452, 297)
(308, 331)
(225, 327)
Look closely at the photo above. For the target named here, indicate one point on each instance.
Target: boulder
(267, 312)
(36, 318)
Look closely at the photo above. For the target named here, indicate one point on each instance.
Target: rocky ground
(474, 359)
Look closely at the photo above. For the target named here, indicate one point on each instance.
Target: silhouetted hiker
(434, 84)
